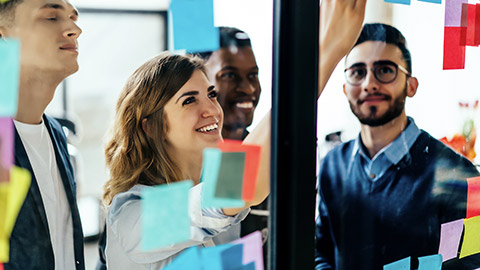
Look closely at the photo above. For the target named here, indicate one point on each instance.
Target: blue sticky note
(432, 1)
(403, 2)
(188, 259)
(212, 256)
(193, 26)
(250, 266)
(165, 219)
(232, 257)
(432, 262)
(9, 76)
(212, 158)
(403, 264)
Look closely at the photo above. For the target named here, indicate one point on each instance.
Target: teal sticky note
(9, 76)
(432, 1)
(193, 26)
(230, 175)
(188, 259)
(212, 158)
(403, 2)
(250, 266)
(165, 219)
(403, 264)
(432, 262)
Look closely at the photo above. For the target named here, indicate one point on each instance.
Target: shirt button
(372, 175)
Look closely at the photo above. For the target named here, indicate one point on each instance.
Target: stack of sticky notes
(230, 174)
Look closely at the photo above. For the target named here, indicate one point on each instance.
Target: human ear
(412, 86)
(146, 127)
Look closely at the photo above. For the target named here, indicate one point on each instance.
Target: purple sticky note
(450, 235)
(453, 13)
(6, 142)
(252, 249)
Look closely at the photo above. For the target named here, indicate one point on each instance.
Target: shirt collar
(397, 149)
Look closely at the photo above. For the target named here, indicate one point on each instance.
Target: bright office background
(113, 44)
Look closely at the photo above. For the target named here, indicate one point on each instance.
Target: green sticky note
(9, 76)
(212, 158)
(230, 175)
(165, 219)
(471, 243)
(12, 196)
(403, 264)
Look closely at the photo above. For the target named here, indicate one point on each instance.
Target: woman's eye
(52, 19)
(212, 94)
(188, 101)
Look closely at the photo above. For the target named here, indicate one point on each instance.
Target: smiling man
(385, 194)
(47, 233)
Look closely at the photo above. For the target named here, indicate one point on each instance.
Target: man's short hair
(7, 12)
(388, 34)
(230, 37)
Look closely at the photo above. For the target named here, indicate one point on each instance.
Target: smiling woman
(166, 116)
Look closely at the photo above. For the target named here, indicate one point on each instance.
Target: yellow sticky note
(470, 244)
(12, 196)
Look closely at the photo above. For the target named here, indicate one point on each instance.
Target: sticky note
(471, 244)
(252, 164)
(432, 1)
(403, 2)
(252, 249)
(12, 196)
(1, 266)
(477, 25)
(188, 259)
(212, 158)
(455, 15)
(250, 266)
(212, 257)
(432, 262)
(193, 28)
(230, 175)
(450, 235)
(473, 197)
(232, 257)
(165, 219)
(403, 264)
(6, 142)
(9, 76)
(471, 24)
(453, 50)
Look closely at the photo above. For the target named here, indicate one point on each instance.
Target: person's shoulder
(342, 150)
(122, 199)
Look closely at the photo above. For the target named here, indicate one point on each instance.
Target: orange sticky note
(470, 244)
(252, 164)
(473, 197)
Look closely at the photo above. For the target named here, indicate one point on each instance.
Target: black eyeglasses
(384, 72)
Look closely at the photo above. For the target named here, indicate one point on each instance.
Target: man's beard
(372, 119)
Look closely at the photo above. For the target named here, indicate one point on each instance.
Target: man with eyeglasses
(385, 194)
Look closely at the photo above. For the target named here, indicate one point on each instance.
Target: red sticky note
(477, 25)
(453, 50)
(471, 23)
(252, 164)
(1, 266)
(473, 197)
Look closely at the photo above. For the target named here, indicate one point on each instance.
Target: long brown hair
(133, 156)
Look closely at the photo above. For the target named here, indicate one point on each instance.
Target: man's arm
(340, 25)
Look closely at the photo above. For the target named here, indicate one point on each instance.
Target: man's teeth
(208, 128)
(245, 105)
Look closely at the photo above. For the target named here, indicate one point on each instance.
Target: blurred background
(118, 36)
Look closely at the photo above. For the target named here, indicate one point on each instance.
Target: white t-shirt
(39, 148)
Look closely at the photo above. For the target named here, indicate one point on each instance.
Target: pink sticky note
(454, 48)
(252, 249)
(473, 197)
(252, 164)
(6, 142)
(450, 235)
